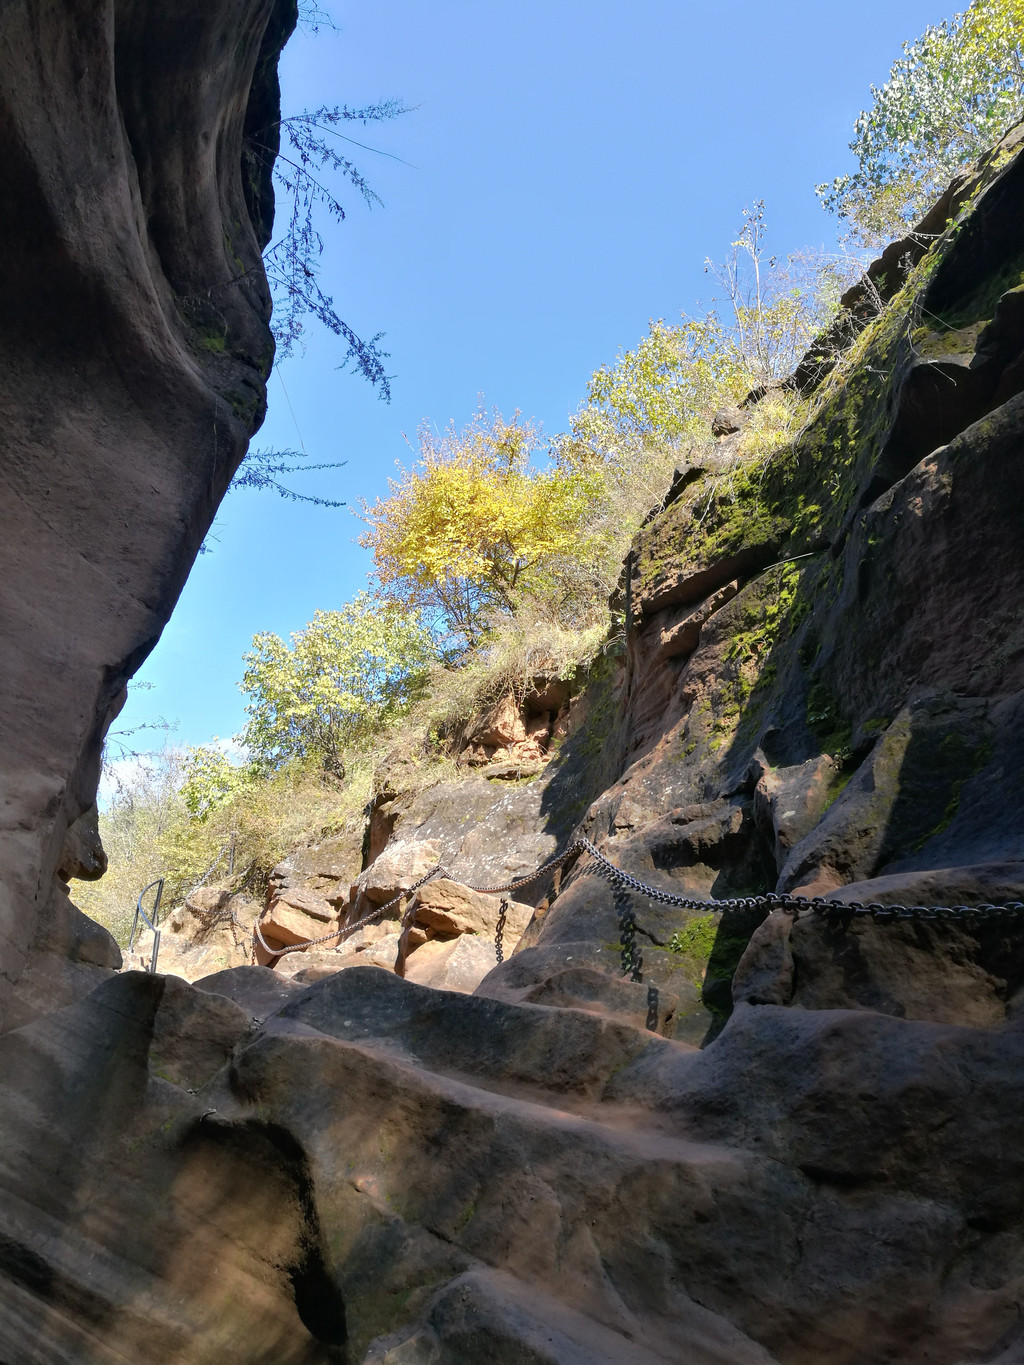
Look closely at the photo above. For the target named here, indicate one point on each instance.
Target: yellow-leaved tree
(473, 529)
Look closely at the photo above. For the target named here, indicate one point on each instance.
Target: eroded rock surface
(367, 1170)
(135, 350)
(823, 685)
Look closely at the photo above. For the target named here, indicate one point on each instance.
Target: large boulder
(395, 872)
(458, 964)
(297, 916)
(946, 971)
(210, 931)
(448, 907)
(83, 856)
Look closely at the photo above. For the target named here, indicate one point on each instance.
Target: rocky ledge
(368, 1170)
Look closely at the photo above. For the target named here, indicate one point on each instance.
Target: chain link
(629, 954)
(499, 932)
(560, 859)
(626, 882)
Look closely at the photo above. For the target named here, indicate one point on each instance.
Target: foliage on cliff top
(950, 97)
(473, 529)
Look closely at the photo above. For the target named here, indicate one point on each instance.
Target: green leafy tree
(640, 415)
(344, 678)
(210, 780)
(665, 390)
(952, 94)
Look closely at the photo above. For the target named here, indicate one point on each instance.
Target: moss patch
(826, 720)
(693, 945)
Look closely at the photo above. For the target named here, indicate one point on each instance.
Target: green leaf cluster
(345, 677)
(210, 781)
(949, 97)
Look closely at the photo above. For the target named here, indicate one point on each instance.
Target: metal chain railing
(140, 913)
(349, 929)
(626, 885)
(499, 930)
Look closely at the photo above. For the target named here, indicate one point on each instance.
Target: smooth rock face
(395, 872)
(457, 965)
(644, 1006)
(789, 802)
(487, 832)
(83, 856)
(130, 1282)
(451, 908)
(72, 955)
(134, 353)
(383, 1172)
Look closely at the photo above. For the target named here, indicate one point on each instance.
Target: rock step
(608, 1217)
(487, 1315)
(571, 1053)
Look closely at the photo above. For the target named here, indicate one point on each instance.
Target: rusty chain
(626, 883)
(499, 931)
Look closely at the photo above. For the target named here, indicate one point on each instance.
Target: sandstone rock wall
(821, 687)
(824, 683)
(135, 350)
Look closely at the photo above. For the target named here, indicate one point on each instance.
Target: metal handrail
(140, 911)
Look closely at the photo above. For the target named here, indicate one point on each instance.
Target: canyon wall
(808, 1149)
(135, 351)
(825, 681)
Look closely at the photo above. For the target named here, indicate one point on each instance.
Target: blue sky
(566, 170)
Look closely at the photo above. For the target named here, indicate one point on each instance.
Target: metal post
(156, 931)
(140, 910)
